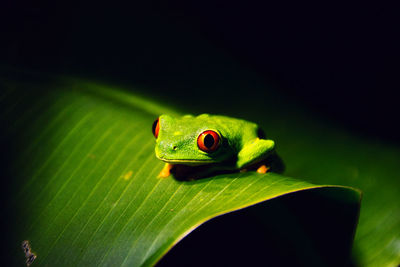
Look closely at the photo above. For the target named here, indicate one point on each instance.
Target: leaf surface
(85, 188)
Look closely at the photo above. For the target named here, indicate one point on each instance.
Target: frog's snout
(164, 151)
(169, 148)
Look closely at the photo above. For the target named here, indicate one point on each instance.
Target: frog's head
(189, 140)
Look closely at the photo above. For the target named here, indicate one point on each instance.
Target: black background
(337, 59)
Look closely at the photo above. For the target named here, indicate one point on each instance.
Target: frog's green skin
(240, 144)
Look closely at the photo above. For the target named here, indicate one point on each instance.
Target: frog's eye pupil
(156, 128)
(208, 141)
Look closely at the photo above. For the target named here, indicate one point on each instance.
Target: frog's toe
(262, 169)
(166, 171)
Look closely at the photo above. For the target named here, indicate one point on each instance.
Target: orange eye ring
(156, 127)
(208, 141)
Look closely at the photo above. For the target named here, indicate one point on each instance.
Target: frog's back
(236, 130)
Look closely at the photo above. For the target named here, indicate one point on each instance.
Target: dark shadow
(189, 173)
(308, 228)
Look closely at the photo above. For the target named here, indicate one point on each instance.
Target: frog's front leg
(253, 152)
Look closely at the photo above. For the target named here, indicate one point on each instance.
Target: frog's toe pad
(262, 169)
(166, 171)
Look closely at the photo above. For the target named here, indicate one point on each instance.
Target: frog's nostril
(174, 147)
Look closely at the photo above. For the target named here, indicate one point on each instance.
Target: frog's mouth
(187, 162)
(188, 169)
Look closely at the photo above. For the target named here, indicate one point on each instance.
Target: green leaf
(84, 178)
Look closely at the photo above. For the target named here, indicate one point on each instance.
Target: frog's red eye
(156, 128)
(208, 141)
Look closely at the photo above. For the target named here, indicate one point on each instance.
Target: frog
(198, 146)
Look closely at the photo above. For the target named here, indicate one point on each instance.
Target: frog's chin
(188, 162)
